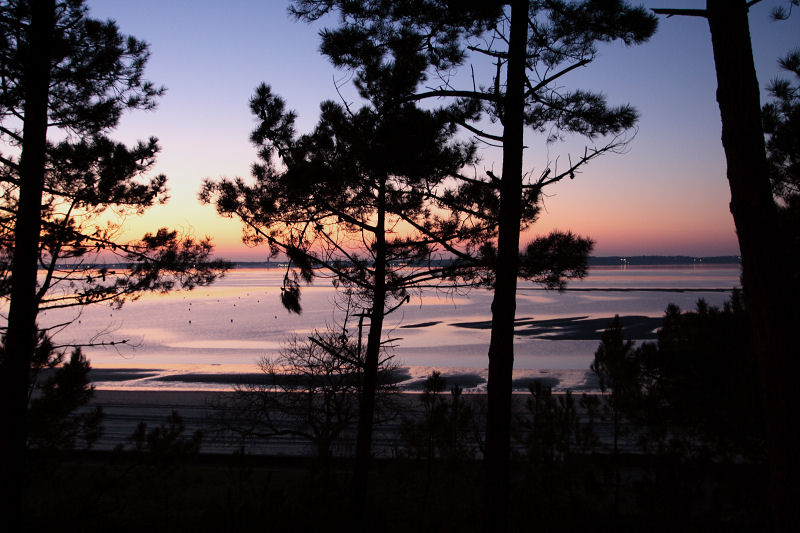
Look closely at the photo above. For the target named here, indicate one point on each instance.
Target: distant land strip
(627, 289)
(663, 260)
(613, 260)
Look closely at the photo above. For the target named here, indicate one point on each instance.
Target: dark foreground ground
(107, 491)
(175, 486)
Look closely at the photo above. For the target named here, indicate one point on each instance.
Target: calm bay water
(227, 327)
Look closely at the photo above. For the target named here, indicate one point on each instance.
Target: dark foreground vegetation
(185, 492)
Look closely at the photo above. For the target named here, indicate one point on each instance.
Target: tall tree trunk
(764, 276)
(21, 335)
(501, 347)
(372, 359)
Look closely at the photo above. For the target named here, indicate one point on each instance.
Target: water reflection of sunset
(229, 326)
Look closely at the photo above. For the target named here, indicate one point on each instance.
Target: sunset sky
(667, 195)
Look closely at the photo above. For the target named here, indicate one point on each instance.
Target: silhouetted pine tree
(63, 72)
(533, 45)
(361, 200)
(766, 275)
(781, 118)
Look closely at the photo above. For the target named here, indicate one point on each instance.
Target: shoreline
(407, 380)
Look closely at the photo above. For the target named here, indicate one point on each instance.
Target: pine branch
(442, 241)
(454, 94)
(12, 134)
(349, 219)
(478, 132)
(490, 53)
(534, 88)
(91, 344)
(328, 265)
(50, 268)
(11, 164)
(669, 12)
(588, 155)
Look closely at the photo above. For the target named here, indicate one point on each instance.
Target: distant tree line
(591, 260)
(638, 260)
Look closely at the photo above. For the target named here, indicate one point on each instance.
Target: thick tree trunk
(764, 276)
(369, 384)
(501, 347)
(21, 335)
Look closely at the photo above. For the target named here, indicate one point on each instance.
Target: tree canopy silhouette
(363, 200)
(693, 392)
(533, 46)
(65, 188)
(781, 118)
(767, 276)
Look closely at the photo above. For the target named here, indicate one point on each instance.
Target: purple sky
(667, 195)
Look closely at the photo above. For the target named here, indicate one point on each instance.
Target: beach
(125, 410)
